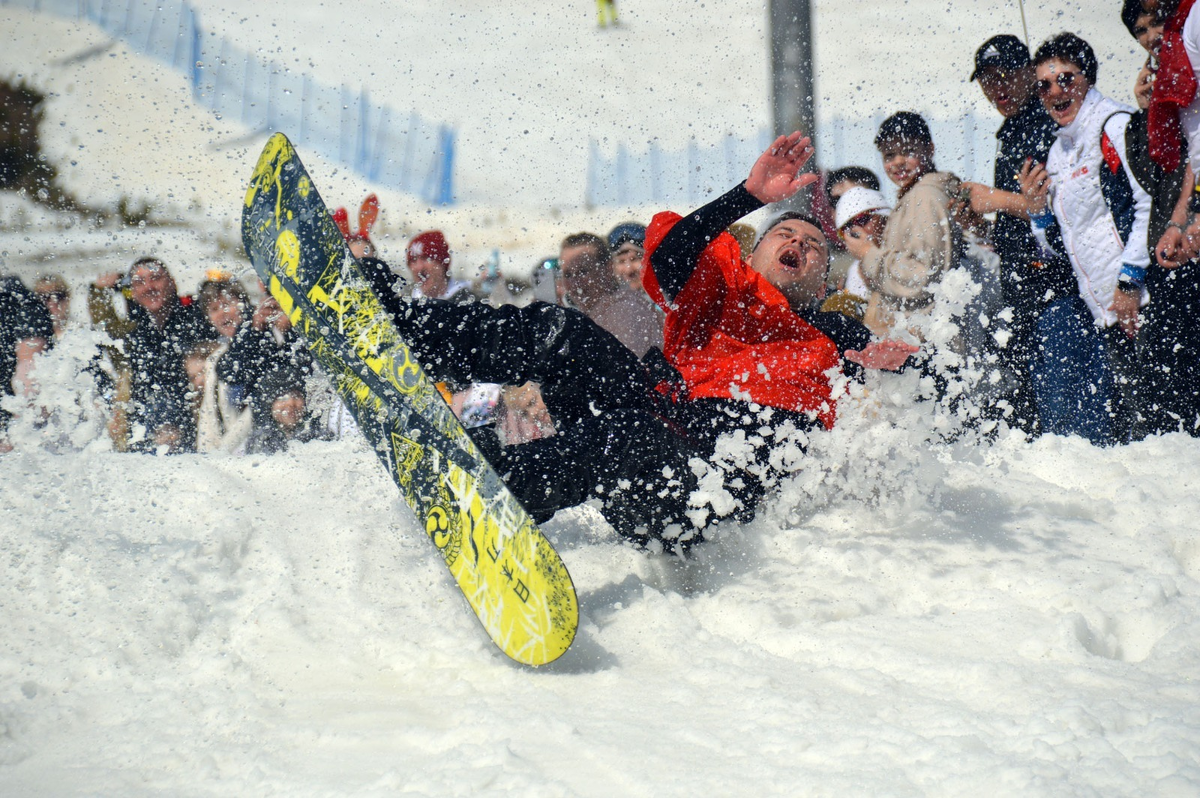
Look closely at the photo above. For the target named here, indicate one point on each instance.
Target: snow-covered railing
(699, 172)
(396, 149)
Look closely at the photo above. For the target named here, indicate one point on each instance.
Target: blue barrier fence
(698, 173)
(396, 149)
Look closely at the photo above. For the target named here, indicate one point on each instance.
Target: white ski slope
(902, 618)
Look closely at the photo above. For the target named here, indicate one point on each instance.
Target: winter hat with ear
(626, 232)
(857, 201)
(431, 245)
(368, 212)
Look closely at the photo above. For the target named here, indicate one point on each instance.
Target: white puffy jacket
(1089, 230)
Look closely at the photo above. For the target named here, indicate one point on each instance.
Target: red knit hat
(431, 244)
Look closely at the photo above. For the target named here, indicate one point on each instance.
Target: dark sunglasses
(53, 296)
(1064, 80)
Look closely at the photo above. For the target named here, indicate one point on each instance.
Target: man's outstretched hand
(888, 355)
(775, 175)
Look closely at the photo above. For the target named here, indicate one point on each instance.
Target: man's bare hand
(1191, 239)
(1169, 252)
(1035, 186)
(1143, 87)
(270, 314)
(1125, 305)
(776, 174)
(108, 280)
(856, 241)
(887, 355)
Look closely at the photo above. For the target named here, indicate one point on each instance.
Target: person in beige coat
(921, 240)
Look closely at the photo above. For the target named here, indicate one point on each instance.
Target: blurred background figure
(626, 244)
(159, 328)
(861, 218)
(838, 182)
(56, 296)
(606, 13)
(26, 330)
(281, 415)
(429, 261)
(589, 284)
(359, 240)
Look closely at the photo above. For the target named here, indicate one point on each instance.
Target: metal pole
(792, 90)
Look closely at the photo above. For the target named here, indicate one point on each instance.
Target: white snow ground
(902, 619)
(1013, 620)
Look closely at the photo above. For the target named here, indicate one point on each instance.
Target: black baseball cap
(1004, 51)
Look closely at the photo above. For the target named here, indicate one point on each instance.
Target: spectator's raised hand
(108, 280)
(1035, 185)
(270, 314)
(1144, 87)
(775, 175)
(857, 242)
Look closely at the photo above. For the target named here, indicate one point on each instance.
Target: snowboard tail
(508, 571)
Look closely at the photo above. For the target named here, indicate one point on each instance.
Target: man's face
(1007, 91)
(627, 263)
(793, 256)
(905, 161)
(868, 226)
(288, 410)
(1062, 88)
(585, 273)
(151, 287)
(225, 313)
(430, 275)
(1148, 31)
(57, 302)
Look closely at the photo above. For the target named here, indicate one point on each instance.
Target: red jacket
(731, 334)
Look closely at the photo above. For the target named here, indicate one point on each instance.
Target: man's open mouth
(789, 259)
(1061, 107)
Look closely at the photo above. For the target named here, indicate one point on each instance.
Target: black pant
(1169, 353)
(614, 442)
(619, 440)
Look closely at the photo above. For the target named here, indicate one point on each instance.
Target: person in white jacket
(1087, 193)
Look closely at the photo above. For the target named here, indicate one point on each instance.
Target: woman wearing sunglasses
(1087, 194)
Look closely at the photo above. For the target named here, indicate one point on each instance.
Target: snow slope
(901, 620)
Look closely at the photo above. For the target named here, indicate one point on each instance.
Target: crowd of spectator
(1083, 249)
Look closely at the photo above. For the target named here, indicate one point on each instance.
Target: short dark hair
(906, 127)
(1072, 49)
(211, 290)
(149, 261)
(859, 175)
(590, 240)
(1130, 11)
(788, 216)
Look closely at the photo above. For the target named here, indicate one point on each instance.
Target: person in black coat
(160, 328)
(25, 330)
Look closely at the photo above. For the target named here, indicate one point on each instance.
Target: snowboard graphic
(509, 573)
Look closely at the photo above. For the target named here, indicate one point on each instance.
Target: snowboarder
(742, 355)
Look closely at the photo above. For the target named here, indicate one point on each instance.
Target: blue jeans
(1072, 382)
